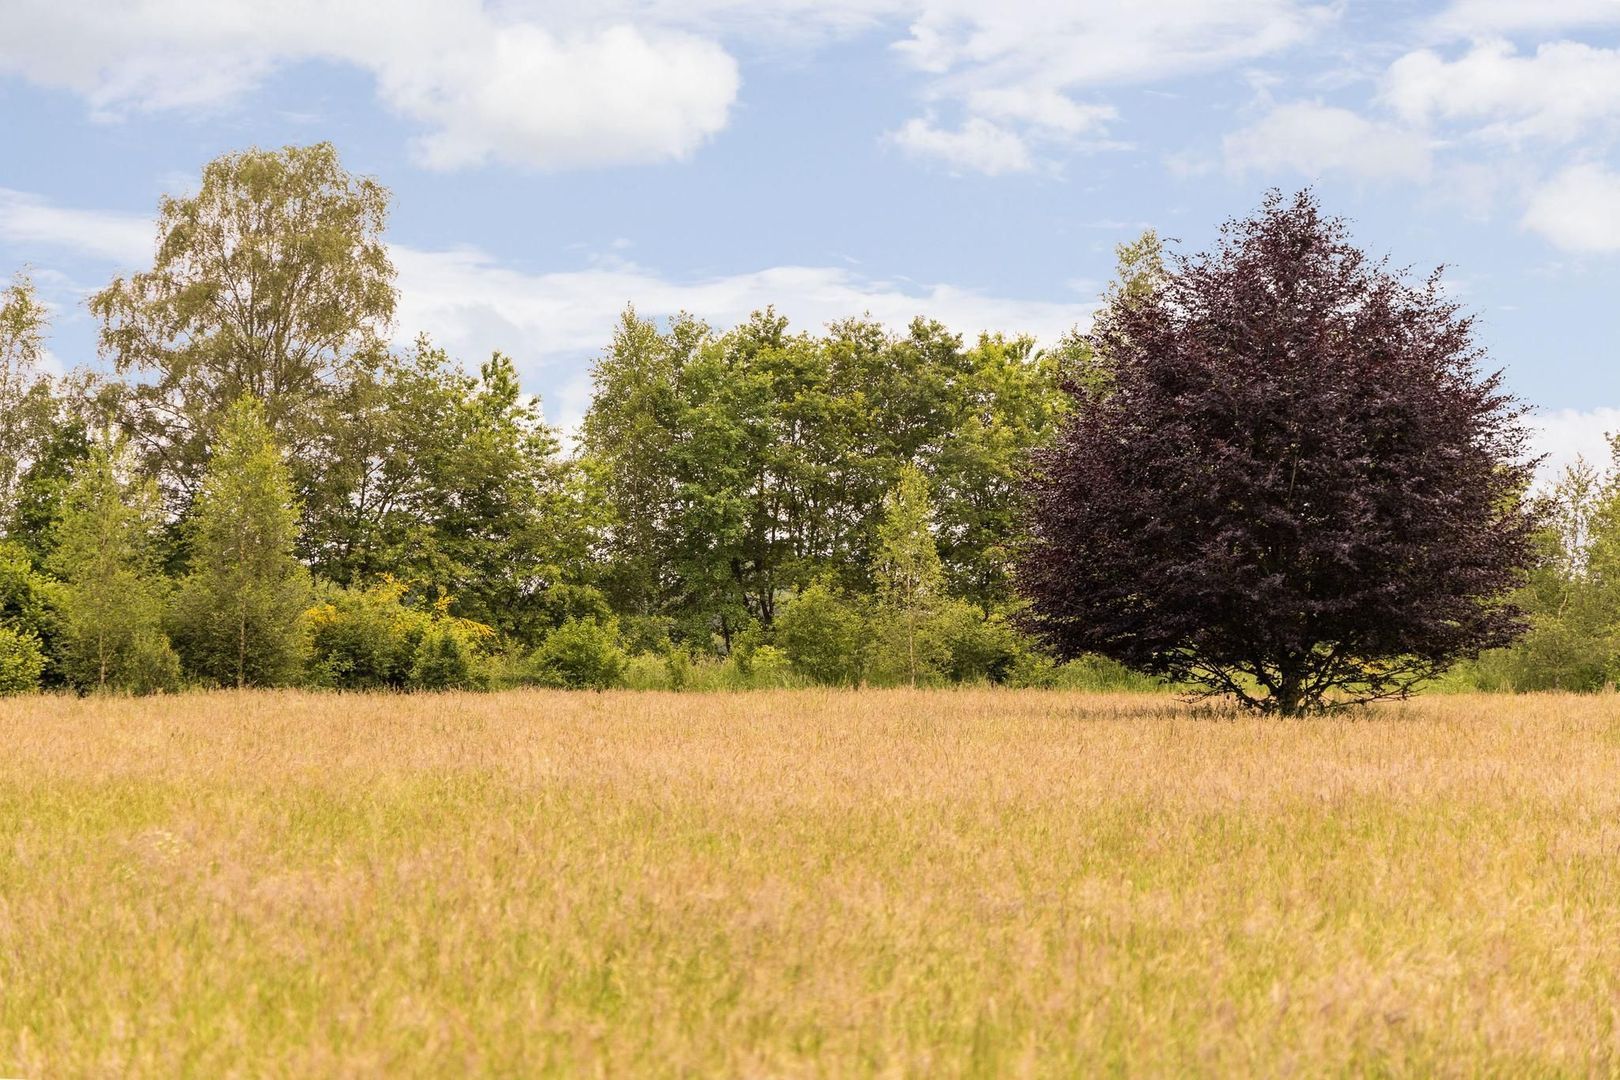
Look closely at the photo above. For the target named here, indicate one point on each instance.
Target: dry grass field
(806, 883)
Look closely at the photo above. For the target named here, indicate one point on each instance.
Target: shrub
(21, 661)
(897, 649)
(976, 648)
(821, 633)
(28, 605)
(365, 639)
(446, 658)
(150, 665)
(769, 668)
(370, 639)
(581, 654)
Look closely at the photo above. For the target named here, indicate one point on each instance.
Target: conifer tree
(112, 597)
(239, 616)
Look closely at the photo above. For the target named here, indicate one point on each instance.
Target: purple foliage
(1293, 484)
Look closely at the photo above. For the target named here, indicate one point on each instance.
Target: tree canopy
(1295, 486)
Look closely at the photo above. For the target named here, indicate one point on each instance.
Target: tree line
(255, 488)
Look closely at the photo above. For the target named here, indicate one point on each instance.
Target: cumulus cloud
(1013, 70)
(1578, 209)
(550, 323)
(1315, 139)
(1558, 93)
(563, 83)
(484, 84)
(1566, 434)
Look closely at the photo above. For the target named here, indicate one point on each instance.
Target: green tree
(238, 618)
(25, 391)
(1573, 592)
(42, 489)
(272, 281)
(444, 479)
(741, 467)
(113, 593)
(909, 577)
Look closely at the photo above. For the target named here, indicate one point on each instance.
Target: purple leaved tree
(1288, 479)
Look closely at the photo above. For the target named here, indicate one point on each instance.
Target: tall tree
(25, 390)
(113, 593)
(238, 615)
(272, 280)
(1299, 487)
(742, 466)
(450, 480)
(1573, 593)
(909, 577)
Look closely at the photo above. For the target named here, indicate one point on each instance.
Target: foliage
(742, 466)
(1573, 593)
(238, 617)
(272, 281)
(22, 661)
(581, 654)
(909, 579)
(112, 595)
(374, 638)
(441, 478)
(28, 603)
(446, 657)
(822, 634)
(42, 488)
(1298, 488)
(25, 391)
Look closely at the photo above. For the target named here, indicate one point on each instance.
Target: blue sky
(975, 162)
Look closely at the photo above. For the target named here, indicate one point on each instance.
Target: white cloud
(1013, 68)
(1565, 434)
(574, 94)
(1485, 18)
(1043, 109)
(31, 223)
(1578, 209)
(978, 145)
(1316, 139)
(548, 322)
(1558, 93)
(564, 83)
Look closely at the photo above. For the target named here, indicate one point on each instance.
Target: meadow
(807, 882)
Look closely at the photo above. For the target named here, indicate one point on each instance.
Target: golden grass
(805, 883)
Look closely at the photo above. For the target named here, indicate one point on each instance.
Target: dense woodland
(255, 487)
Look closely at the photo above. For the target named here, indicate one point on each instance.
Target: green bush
(822, 635)
(151, 666)
(372, 639)
(769, 669)
(28, 605)
(365, 639)
(21, 661)
(446, 658)
(894, 648)
(1034, 668)
(581, 654)
(977, 649)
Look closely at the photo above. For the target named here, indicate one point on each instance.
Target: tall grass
(805, 883)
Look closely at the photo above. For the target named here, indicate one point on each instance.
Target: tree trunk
(1290, 692)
